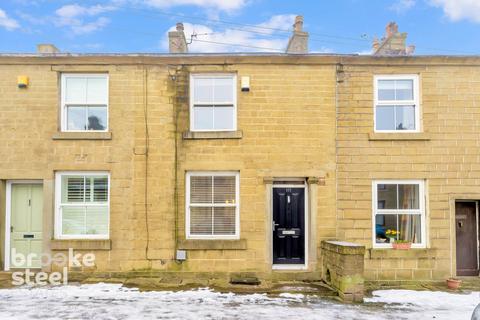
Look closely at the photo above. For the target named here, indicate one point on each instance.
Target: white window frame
(415, 102)
(193, 76)
(58, 202)
(63, 113)
(420, 210)
(189, 174)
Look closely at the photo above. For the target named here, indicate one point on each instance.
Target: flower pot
(453, 284)
(401, 246)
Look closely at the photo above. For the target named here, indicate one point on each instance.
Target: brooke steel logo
(62, 260)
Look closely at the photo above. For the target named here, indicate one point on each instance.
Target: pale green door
(26, 225)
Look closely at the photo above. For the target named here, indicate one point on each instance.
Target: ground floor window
(82, 205)
(399, 212)
(212, 205)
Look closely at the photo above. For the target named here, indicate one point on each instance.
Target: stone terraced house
(220, 164)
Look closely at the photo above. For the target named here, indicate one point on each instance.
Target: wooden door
(467, 238)
(26, 225)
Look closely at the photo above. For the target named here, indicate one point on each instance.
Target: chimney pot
(47, 48)
(391, 29)
(410, 50)
(393, 43)
(298, 25)
(177, 43)
(298, 42)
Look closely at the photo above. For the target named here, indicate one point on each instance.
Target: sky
(141, 26)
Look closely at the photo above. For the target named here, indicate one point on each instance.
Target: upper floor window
(212, 205)
(399, 212)
(397, 107)
(82, 205)
(213, 102)
(84, 102)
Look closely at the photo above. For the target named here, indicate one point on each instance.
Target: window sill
(389, 253)
(81, 244)
(240, 244)
(192, 135)
(82, 136)
(410, 136)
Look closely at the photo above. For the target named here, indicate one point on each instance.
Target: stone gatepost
(342, 269)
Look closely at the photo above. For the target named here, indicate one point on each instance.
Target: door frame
(8, 216)
(476, 228)
(304, 265)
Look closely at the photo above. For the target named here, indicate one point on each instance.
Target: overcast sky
(340, 26)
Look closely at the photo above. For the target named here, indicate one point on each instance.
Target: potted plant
(453, 283)
(391, 234)
(401, 245)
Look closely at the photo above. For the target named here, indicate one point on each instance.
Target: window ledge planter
(402, 245)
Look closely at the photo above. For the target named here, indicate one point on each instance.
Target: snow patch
(113, 301)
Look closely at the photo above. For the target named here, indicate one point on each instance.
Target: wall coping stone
(81, 244)
(342, 247)
(82, 136)
(192, 135)
(198, 244)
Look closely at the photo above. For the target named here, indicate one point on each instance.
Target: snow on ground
(110, 301)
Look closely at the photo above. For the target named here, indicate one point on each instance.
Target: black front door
(288, 225)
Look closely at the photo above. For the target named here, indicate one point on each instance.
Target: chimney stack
(177, 42)
(298, 42)
(47, 48)
(393, 43)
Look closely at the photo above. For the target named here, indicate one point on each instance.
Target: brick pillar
(342, 268)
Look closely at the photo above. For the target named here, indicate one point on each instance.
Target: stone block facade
(308, 117)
